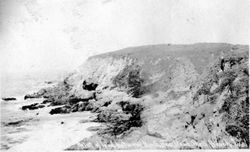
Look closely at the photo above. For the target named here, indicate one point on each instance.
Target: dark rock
(38, 94)
(41, 106)
(32, 106)
(59, 101)
(192, 119)
(112, 116)
(107, 103)
(8, 99)
(28, 97)
(46, 96)
(73, 100)
(46, 101)
(133, 108)
(121, 121)
(60, 110)
(15, 123)
(89, 86)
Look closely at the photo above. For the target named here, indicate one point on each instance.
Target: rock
(74, 108)
(15, 123)
(41, 106)
(107, 103)
(73, 100)
(186, 78)
(89, 107)
(38, 94)
(112, 116)
(89, 86)
(82, 105)
(61, 110)
(121, 119)
(32, 106)
(28, 96)
(8, 99)
(46, 101)
(58, 101)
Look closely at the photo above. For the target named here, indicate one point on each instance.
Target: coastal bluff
(195, 95)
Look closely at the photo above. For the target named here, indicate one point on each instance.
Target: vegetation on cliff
(228, 84)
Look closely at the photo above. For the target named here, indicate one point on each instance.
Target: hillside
(164, 96)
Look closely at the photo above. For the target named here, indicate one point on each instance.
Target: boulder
(38, 94)
(8, 99)
(32, 106)
(80, 106)
(89, 86)
(46, 101)
(61, 110)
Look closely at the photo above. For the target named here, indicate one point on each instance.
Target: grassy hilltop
(159, 95)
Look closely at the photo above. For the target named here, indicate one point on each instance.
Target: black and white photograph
(83, 75)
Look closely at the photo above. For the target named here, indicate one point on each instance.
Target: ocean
(36, 130)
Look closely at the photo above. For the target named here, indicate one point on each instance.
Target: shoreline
(190, 101)
(37, 130)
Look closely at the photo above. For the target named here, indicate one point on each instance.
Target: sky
(54, 35)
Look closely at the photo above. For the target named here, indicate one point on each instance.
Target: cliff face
(161, 66)
(194, 95)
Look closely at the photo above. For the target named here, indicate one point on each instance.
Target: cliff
(194, 95)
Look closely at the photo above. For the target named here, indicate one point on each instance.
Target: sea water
(36, 130)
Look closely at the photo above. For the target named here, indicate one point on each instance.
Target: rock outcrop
(8, 99)
(33, 106)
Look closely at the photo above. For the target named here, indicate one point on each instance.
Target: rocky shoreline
(182, 105)
(121, 117)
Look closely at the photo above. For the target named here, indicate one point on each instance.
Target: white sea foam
(38, 130)
(42, 132)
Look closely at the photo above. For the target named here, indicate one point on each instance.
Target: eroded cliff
(193, 95)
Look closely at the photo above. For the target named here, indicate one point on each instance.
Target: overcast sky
(46, 35)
